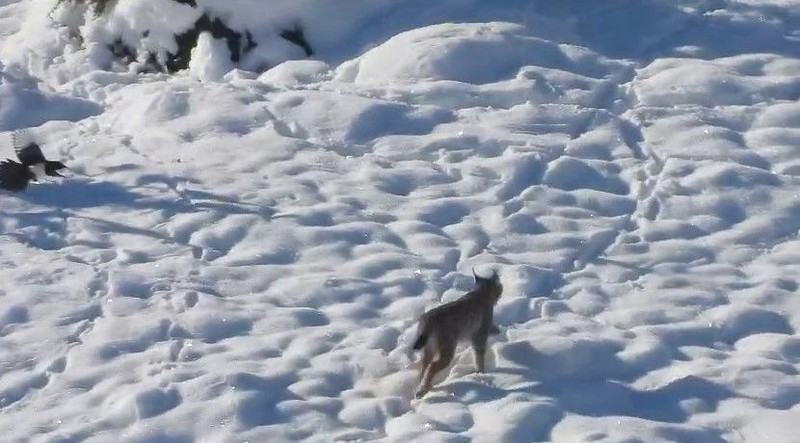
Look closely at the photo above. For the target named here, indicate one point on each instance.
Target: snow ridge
(242, 255)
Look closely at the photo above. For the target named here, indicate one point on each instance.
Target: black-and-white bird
(15, 176)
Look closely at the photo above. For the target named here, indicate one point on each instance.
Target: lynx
(468, 318)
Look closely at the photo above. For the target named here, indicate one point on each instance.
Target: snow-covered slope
(242, 255)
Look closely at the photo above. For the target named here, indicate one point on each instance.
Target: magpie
(15, 176)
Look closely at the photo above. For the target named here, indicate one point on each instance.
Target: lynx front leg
(479, 348)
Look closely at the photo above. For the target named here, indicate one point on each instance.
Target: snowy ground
(244, 259)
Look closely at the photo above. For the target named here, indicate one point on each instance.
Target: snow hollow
(267, 195)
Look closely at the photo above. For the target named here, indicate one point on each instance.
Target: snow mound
(25, 105)
(474, 53)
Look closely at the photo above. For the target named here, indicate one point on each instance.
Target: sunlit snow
(242, 252)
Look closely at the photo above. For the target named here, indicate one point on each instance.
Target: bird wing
(28, 152)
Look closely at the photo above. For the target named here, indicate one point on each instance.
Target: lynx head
(490, 286)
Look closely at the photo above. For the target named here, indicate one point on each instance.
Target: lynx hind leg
(423, 363)
(446, 354)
